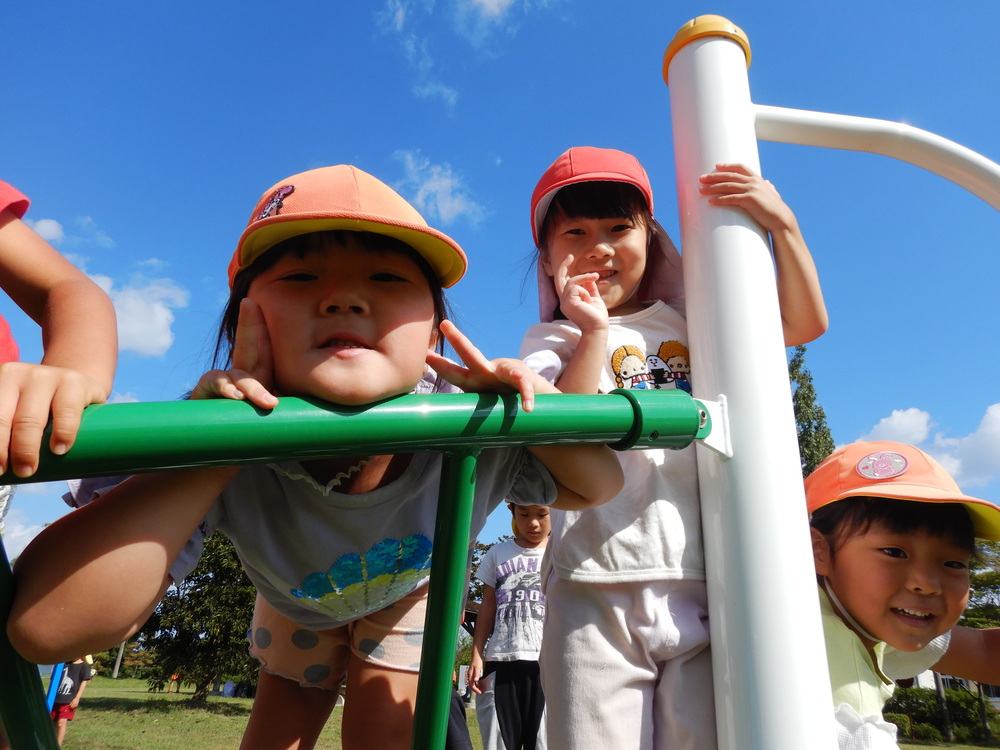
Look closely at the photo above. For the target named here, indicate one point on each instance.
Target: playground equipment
(750, 478)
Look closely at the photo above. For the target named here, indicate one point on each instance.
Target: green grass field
(123, 715)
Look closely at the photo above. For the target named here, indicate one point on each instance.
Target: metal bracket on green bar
(638, 437)
(136, 437)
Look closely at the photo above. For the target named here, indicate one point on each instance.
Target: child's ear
(822, 554)
(546, 265)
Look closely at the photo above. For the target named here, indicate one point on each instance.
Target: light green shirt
(855, 676)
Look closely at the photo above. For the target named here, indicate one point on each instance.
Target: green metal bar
(129, 438)
(22, 698)
(446, 599)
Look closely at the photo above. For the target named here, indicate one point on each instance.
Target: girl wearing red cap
(336, 294)
(625, 658)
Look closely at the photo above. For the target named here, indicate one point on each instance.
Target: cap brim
(985, 515)
(444, 256)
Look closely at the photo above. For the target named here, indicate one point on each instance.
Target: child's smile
(614, 249)
(904, 589)
(346, 323)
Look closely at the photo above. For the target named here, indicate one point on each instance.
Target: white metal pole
(954, 162)
(772, 683)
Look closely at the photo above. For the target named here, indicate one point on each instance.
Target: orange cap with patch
(894, 470)
(343, 197)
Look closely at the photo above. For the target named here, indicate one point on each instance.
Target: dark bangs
(853, 516)
(598, 199)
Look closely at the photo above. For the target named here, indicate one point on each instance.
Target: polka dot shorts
(390, 638)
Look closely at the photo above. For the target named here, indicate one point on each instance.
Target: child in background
(892, 537)
(75, 676)
(625, 656)
(511, 616)
(336, 294)
(79, 334)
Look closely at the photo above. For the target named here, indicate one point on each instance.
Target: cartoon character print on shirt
(667, 369)
(519, 591)
(673, 368)
(358, 583)
(629, 366)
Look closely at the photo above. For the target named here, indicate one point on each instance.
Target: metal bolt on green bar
(131, 438)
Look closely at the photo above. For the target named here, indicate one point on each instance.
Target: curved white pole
(772, 684)
(961, 165)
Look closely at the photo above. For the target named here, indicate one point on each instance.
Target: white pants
(627, 666)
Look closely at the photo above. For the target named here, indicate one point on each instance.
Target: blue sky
(144, 133)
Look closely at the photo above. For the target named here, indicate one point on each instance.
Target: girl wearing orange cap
(625, 659)
(892, 538)
(337, 295)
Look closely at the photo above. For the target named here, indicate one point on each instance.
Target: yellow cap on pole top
(702, 26)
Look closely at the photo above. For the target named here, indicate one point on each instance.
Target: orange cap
(343, 197)
(898, 471)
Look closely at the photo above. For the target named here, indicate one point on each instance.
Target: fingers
(252, 349)
(252, 373)
(481, 375)
(235, 384)
(29, 395)
(68, 403)
(464, 348)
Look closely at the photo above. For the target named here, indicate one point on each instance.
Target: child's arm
(75, 703)
(803, 312)
(484, 627)
(585, 474)
(79, 335)
(972, 654)
(91, 579)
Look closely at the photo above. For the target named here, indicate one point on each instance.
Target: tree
(199, 629)
(815, 440)
(983, 610)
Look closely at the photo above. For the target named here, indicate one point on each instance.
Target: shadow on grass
(166, 706)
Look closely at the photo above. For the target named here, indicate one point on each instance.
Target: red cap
(586, 164)
(898, 471)
(343, 197)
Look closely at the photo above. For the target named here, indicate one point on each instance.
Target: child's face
(533, 524)
(347, 324)
(613, 248)
(904, 589)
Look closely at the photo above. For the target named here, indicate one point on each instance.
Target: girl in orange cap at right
(892, 537)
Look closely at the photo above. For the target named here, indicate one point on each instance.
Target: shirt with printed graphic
(514, 572)
(652, 529)
(323, 558)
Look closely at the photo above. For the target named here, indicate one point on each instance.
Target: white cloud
(491, 8)
(123, 398)
(399, 18)
(90, 234)
(972, 460)
(902, 426)
(436, 191)
(16, 536)
(145, 313)
(430, 89)
(49, 230)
